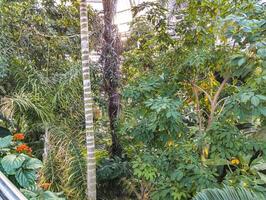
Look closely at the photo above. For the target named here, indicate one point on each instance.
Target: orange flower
(45, 186)
(18, 136)
(23, 148)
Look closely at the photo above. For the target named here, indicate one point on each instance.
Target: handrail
(8, 191)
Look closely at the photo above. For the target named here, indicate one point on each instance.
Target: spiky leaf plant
(228, 193)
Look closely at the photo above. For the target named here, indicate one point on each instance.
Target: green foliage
(5, 141)
(186, 98)
(227, 141)
(144, 170)
(41, 78)
(35, 193)
(109, 169)
(227, 193)
(174, 172)
(22, 169)
(184, 102)
(65, 147)
(111, 175)
(20, 166)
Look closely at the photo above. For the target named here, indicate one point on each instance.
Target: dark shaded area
(4, 132)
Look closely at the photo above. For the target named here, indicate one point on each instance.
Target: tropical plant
(39, 194)
(191, 99)
(42, 79)
(192, 102)
(17, 163)
(227, 193)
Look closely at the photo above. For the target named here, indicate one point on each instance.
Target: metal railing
(8, 191)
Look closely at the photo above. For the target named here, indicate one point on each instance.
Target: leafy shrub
(186, 97)
(17, 163)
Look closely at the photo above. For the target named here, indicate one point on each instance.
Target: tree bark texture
(111, 72)
(88, 101)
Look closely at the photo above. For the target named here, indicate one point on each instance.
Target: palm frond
(68, 86)
(228, 193)
(66, 156)
(22, 102)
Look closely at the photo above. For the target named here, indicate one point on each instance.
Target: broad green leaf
(245, 97)
(29, 194)
(255, 100)
(262, 97)
(261, 166)
(241, 61)
(33, 163)
(25, 177)
(12, 162)
(264, 64)
(6, 141)
(262, 176)
(263, 111)
(262, 52)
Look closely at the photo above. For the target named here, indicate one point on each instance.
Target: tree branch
(195, 91)
(215, 99)
(204, 91)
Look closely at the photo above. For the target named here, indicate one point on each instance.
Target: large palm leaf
(65, 167)
(23, 102)
(228, 193)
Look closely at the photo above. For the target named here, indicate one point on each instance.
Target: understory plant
(19, 165)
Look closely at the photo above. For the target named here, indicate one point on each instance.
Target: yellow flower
(205, 152)
(170, 143)
(235, 161)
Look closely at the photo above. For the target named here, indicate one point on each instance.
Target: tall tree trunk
(111, 60)
(91, 163)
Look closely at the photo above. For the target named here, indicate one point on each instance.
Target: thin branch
(206, 113)
(221, 100)
(215, 99)
(205, 92)
(216, 96)
(195, 91)
(222, 107)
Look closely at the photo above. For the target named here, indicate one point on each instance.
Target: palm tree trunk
(91, 163)
(111, 60)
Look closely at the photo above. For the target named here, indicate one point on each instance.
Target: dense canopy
(173, 108)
